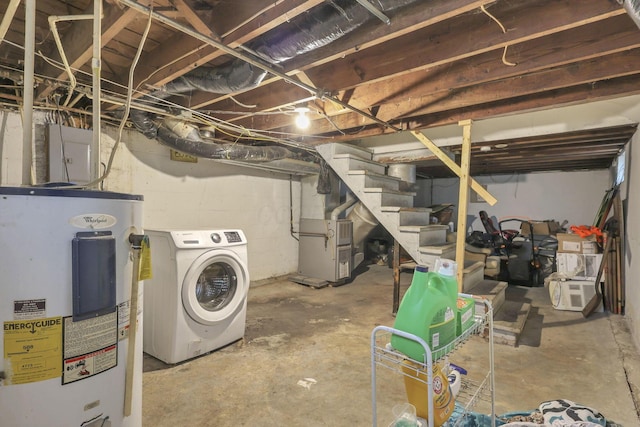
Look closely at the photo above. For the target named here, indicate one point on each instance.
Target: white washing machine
(196, 301)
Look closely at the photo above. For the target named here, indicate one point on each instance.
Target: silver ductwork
(363, 223)
(633, 9)
(305, 33)
(183, 137)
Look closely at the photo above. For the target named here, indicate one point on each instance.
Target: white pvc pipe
(56, 36)
(27, 104)
(96, 66)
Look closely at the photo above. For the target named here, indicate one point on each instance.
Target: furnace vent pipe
(363, 223)
(335, 213)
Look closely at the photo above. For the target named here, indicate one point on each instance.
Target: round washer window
(216, 286)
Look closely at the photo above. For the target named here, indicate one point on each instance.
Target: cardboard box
(578, 266)
(546, 228)
(465, 316)
(572, 243)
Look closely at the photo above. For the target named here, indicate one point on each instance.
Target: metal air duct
(633, 9)
(305, 33)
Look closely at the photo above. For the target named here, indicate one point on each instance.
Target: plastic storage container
(427, 310)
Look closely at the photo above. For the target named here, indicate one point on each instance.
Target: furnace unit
(325, 249)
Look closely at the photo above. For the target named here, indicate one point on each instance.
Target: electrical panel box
(71, 157)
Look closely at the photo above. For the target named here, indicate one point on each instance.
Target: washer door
(215, 286)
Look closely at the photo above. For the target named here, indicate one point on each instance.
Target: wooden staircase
(410, 227)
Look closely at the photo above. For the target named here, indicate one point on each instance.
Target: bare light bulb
(302, 120)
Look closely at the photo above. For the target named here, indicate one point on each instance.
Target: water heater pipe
(27, 105)
(56, 36)
(96, 67)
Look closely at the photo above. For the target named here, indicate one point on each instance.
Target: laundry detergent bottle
(427, 310)
(415, 383)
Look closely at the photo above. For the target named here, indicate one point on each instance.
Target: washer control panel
(208, 238)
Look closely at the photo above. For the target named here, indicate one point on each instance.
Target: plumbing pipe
(56, 36)
(27, 105)
(96, 67)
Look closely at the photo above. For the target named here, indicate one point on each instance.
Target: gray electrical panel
(325, 249)
(71, 158)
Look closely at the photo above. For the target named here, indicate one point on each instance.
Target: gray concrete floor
(305, 361)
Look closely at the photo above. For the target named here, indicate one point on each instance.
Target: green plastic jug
(427, 310)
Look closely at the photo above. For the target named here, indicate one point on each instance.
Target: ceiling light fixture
(302, 120)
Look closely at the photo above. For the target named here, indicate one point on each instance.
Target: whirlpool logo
(93, 221)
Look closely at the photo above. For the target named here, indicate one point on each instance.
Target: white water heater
(66, 269)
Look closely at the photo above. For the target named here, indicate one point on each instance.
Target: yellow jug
(415, 383)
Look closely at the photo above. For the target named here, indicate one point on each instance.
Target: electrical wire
(255, 134)
(101, 179)
(129, 96)
(241, 104)
(504, 31)
(62, 150)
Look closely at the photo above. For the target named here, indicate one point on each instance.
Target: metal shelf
(383, 355)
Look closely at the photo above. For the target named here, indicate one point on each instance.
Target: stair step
(473, 274)
(408, 215)
(439, 248)
(491, 290)
(370, 179)
(427, 234)
(358, 163)
(363, 153)
(430, 254)
(509, 321)
(392, 198)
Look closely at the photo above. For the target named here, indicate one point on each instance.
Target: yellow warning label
(145, 260)
(32, 350)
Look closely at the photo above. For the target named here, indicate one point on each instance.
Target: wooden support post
(463, 198)
(396, 276)
(453, 166)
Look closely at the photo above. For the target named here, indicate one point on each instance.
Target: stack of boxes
(578, 260)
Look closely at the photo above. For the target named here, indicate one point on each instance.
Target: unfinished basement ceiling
(434, 63)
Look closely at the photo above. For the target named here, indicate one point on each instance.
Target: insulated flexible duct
(185, 138)
(633, 9)
(316, 28)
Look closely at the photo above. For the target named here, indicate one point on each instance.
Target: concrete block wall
(180, 195)
(210, 194)
(571, 196)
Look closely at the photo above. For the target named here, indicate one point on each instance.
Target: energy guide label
(32, 350)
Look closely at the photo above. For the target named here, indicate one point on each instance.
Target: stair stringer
(342, 159)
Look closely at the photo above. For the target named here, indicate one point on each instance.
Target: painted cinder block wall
(212, 194)
(560, 196)
(179, 195)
